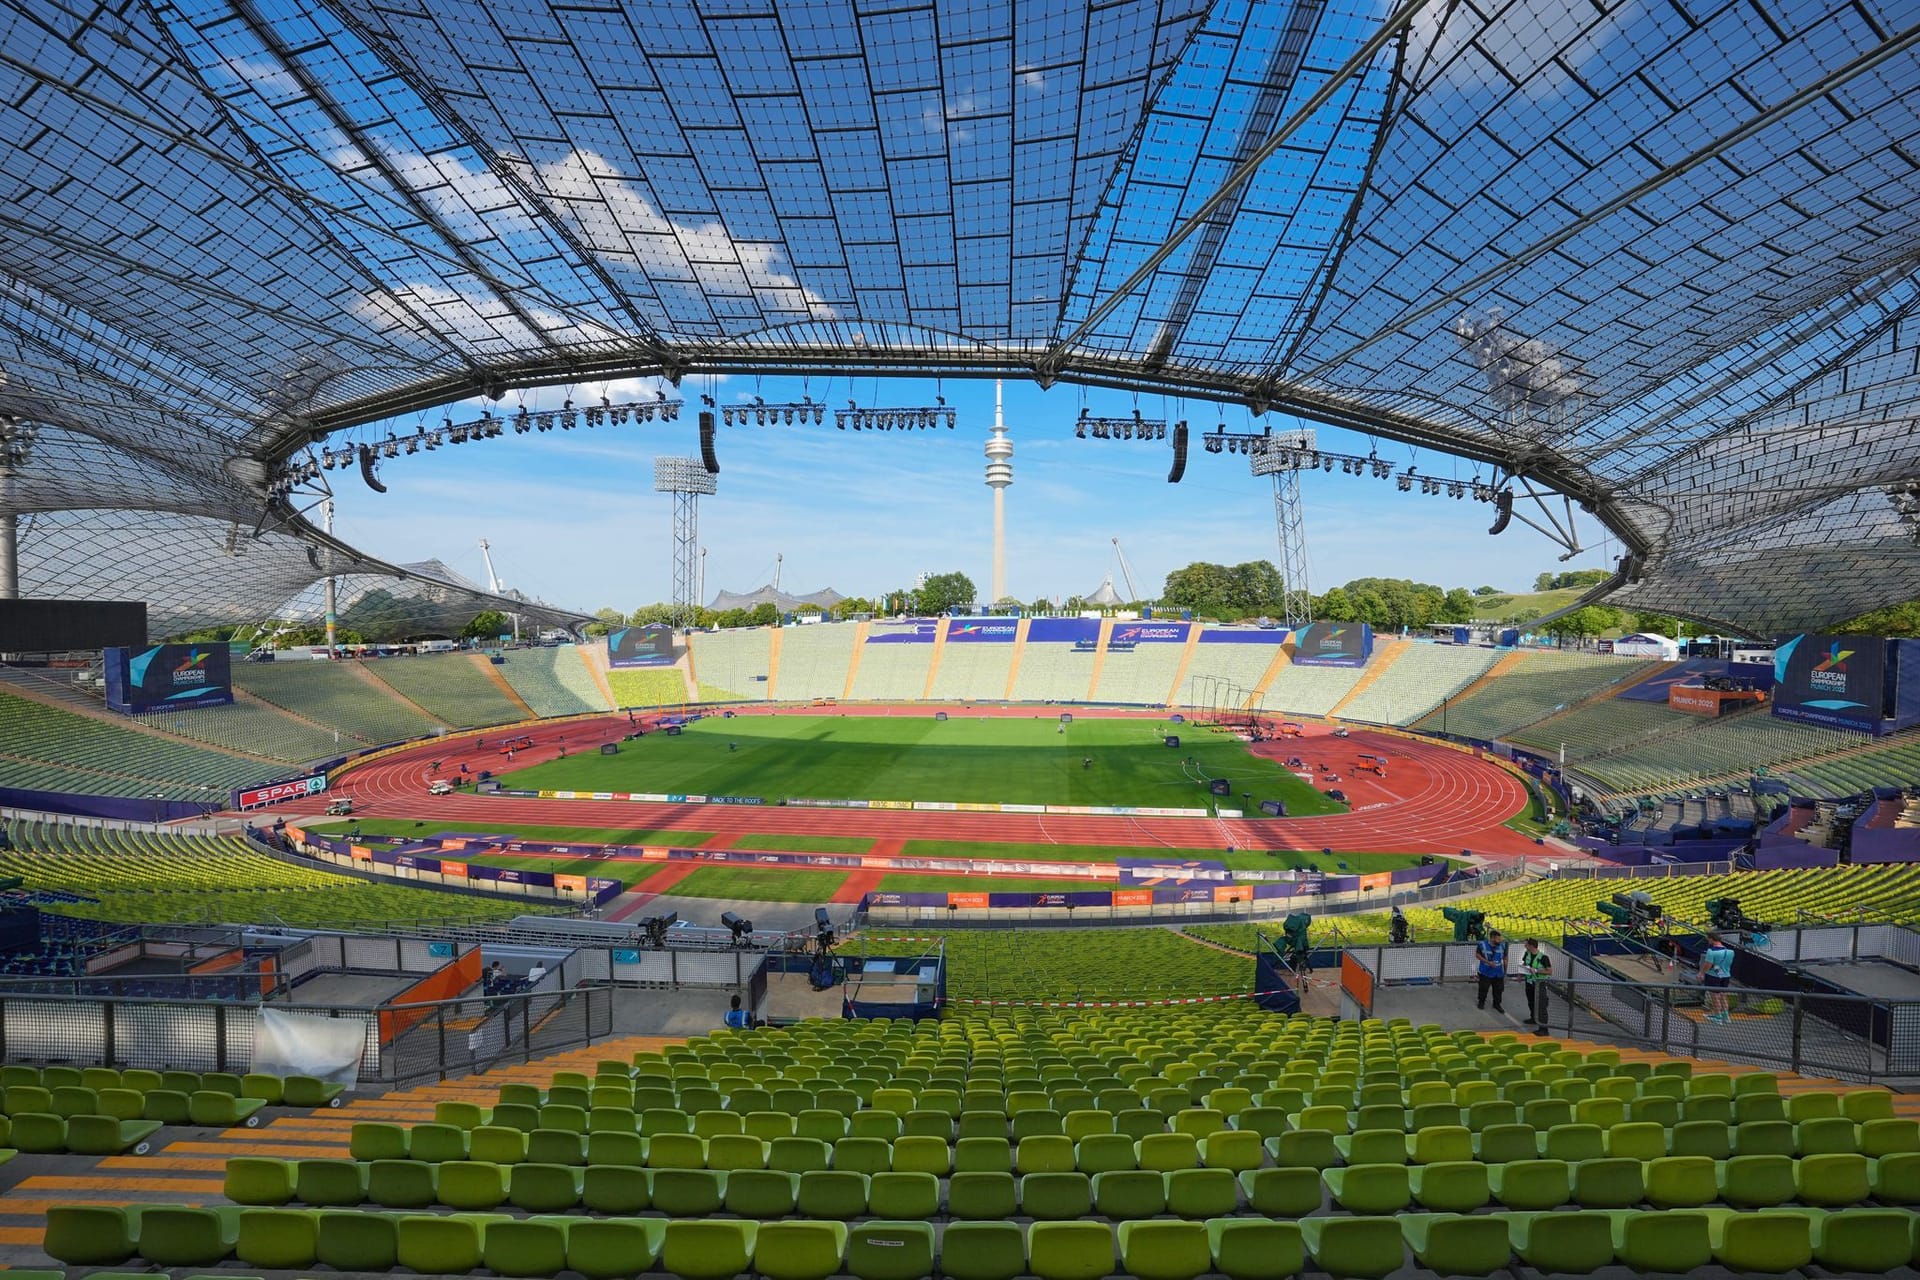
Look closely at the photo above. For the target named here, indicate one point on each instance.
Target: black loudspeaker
(366, 470)
(707, 459)
(1503, 504)
(1179, 453)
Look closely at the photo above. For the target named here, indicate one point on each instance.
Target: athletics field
(1103, 762)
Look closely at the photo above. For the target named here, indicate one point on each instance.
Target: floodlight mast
(686, 479)
(1280, 458)
(16, 439)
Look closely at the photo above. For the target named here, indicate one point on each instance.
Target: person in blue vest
(737, 1018)
(1491, 952)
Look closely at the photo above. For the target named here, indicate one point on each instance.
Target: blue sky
(573, 518)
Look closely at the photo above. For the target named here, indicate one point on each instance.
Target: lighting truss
(1134, 428)
(925, 418)
(807, 412)
(1289, 452)
(304, 468)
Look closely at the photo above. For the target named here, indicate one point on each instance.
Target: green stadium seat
(903, 1195)
(90, 1235)
(473, 1185)
(1370, 1188)
(400, 1184)
(1661, 1242)
(1834, 1180)
(834, 1193)
(1165, 1250)
(988, 1196)
(1612, 1183)
(1070, 1250)
(371, 1141)
(1531, 1184)
(1202, 1193)
(1681, 1182)
(1450, 1186)
(544, 1188)
(614, 1248)
(1457, 1244)
(762, 1193)
(352, 1241)
(1863, 1241)
(173, 1236)
(1757, 1182)
(881, 1250)
(434, 1143)
(1896, 1178)
(1251, 1249)
(1056, 1196)
(278, 1239)
(799, 1250)
(329, 1182)
(525, 1247)
(1768, 1242)
(1355, 1248)
(605, 1188)
(688, 1193)
(983, 1251)
(1574, 1243)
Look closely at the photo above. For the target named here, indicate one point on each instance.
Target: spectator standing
(1491, 952)
(1716, 974)
(737, 1018)
(1536, 965)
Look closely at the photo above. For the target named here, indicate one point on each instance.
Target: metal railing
(1184, 913)
(451, 1037)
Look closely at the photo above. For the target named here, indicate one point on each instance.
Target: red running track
(1435, 799)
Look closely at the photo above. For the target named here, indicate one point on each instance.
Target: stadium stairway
(1384, 656)
(773, 661)
(1282, 659)
(860, 631)
(933, 663)
(1019, 652)
(1186, 660)
(507, 691)
(1507, 662)
(1099, 659)
(595, 656)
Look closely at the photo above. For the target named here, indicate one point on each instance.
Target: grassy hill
(1524, 604)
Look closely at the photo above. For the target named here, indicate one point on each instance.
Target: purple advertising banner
(1062, 630)
(981, 630)
(1831, 680)
(1149, 632)
(920, 631)
(1244, 635)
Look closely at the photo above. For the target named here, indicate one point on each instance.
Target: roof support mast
(493, 585)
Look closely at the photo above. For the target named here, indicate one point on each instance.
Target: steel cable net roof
(1661, 257)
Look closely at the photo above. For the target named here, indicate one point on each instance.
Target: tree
(1894, 620)
(1210, 590)
(1485, 591)
(1041, 605)
(605, 619)
(1201, 586)
(1337, 606)
(846, 608)
(651, 615)
(943, 591)
(1457, 607)
(1543, 582)
(1595, 619)
(763, 614)
(487, 625)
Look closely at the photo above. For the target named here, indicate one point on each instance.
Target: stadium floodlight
(855, 418)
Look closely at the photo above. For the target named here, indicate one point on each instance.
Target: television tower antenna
(493, 585)
(1281, 458)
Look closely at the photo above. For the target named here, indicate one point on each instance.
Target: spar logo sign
(312, 785)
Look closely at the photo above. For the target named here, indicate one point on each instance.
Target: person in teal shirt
(1716, 974)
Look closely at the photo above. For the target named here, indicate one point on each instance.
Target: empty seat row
(1609, 1182)
(1871, 1241)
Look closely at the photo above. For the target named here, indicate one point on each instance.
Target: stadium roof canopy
(1659, 256)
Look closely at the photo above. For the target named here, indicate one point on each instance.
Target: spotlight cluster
(298, 471)
(762, 414)
(854, 418)
(1134, 428)
(1269, 453)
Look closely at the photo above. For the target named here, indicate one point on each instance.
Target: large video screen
(640, 647)
(168, 677)
(1333, 644)
(57, 626)
(1836, 681)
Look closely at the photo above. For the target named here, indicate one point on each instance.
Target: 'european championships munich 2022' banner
(1333, 644)
(640, 647)
(982, 630)
(1837, 681)
(168, 677)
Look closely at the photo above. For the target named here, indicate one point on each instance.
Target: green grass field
(1356, 863)
(759, 884)
(407, 829)
(919, 758)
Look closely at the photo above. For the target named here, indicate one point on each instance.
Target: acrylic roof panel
(1661, 257)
